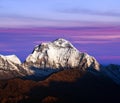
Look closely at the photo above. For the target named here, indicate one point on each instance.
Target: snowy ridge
(10, 67)
(14, 59)
(60, 54)
(51, 57)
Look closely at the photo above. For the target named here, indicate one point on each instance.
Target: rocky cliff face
(60, 54)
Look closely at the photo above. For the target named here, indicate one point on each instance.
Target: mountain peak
(60, 54)
(10, 67)
(13, 58)
(62, 43)
(51, 57)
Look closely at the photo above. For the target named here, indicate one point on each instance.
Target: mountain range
(60, 62)
(47, 58)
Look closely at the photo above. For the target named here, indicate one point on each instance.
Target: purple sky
(103, 43)
(92, 26)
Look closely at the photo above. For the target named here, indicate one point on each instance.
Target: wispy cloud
(17, 21)
(95, 39)
(90, 42)
(22, 21)
(101, 37)
(90, 12)
(24, 17)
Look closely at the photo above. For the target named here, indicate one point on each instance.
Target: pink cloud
(103, 37)
(91, 42)
(74, 30)
(19, 21)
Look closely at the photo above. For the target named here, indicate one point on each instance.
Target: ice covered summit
(60, 54)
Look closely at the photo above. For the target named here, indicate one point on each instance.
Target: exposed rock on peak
(60, 54)
(62, 43)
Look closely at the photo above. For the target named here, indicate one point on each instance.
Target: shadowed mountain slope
(71, 85)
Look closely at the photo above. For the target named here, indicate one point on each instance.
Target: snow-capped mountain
(51, 57)
(10, 66)
(60, 54)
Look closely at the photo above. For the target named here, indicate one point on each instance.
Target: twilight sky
(92, 26)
